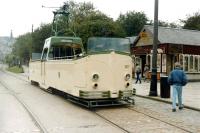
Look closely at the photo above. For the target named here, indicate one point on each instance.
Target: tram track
(140, 112)
(151, 116)
(43, 130)
(35, 118)
(114, 124)
(38, 123)
(13, 75)
(32, 115)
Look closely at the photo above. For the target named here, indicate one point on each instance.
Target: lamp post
(153, 87)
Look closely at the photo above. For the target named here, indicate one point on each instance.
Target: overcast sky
(19, 15)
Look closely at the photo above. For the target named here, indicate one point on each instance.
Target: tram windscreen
(97, 44)
(64, 51)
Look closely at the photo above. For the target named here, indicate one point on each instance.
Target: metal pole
(153, 87)
(31, 53)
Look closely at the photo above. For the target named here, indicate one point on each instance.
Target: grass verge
(15, 69)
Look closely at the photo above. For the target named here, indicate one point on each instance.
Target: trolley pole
(153, 87)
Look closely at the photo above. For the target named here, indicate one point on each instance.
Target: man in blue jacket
(177, 78)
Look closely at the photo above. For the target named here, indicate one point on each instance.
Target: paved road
(187, 119)
(13, 116)
(55, 113)
(59, 116)
(150, 116)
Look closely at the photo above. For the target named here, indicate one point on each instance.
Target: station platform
(191, 93)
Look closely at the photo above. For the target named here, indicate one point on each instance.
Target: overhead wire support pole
(64, 10)
(153, 86)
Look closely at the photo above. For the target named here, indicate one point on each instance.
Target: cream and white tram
(102, 76)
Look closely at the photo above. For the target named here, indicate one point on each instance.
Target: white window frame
(158, 63)
(196, 69)
(191, 65)
(164, 63)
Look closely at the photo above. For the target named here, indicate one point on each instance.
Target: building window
(196, 64)
(181, 60)
(191, 69)
(158, 62)
(199, 63)
(148, 61)
(164, 62)
(185, 63)
(190, 63)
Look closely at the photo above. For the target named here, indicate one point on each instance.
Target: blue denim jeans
(177, 91)
(137, 77)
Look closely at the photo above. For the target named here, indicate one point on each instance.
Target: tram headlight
(127, 77)
(95, 77)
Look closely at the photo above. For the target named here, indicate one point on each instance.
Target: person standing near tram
(177, 78)
(138, 72)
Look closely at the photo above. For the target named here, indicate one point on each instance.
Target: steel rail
(30, 113)
(146, 97)
(159, 120)
(168, 123)
(13, 75)
(38, 122)
(123, 129)
(109, 121)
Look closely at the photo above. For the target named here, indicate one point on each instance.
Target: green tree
(192, 22)
(174, 25)
(67, 24)
(29, 43)
(39, 36)
(9, 59)
(85, 22)
(164, 24)
(22, 48)
(132, 22)
(98, 24)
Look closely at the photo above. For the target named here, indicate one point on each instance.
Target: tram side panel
(35, 71)
(76, 76)
(58, 75)
(66, 76)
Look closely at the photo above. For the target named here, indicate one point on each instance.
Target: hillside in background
(5, 46)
